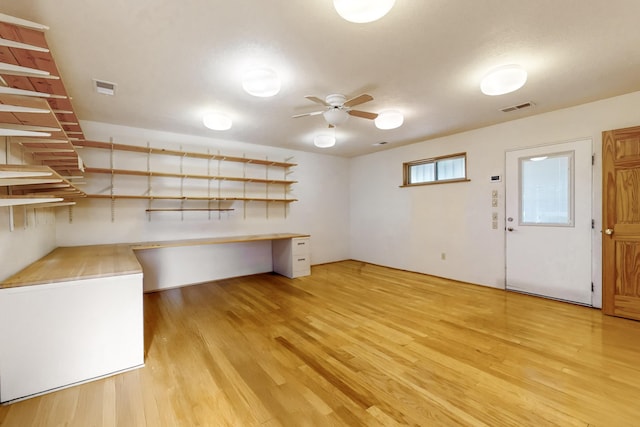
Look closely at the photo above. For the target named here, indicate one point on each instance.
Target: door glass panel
(546, 190)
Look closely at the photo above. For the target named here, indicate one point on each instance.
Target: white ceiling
(174, 60)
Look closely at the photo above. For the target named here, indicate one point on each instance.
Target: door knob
(608, 231)
(510, 229)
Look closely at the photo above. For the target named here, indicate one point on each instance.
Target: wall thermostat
(495, 178)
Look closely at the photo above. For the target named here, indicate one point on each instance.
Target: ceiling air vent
(104, 87)
(518, 107)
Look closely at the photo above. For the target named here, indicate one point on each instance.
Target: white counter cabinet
(55, 335)
(291, 257)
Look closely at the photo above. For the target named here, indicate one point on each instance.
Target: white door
(548, 221)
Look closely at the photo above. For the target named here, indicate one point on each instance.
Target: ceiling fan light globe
(504, 79)
(261, 82)
(363, 11)
(335, 116)
(389, 119)
(324, 140)
(217, 121)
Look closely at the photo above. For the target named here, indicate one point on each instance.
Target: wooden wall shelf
(36, 111)
(184, 175)
(36, 184)
(179, 153)
(191, 210)
(27, 200)
(213, 199)
(222, 191)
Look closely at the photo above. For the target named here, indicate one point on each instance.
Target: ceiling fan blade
(363, 114)
(317, 100)
(314, 113)
(360, 99)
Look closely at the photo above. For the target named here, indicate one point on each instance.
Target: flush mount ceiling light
(324, 140)
(504, 79)
(262, 82)
(362, 11)
(335, 116)
(216, 121)
(389, 119)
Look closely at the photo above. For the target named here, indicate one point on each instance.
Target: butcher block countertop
(75, 263)
(86, 262)
(215, 240)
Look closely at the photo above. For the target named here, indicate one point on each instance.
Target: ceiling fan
(338, 108)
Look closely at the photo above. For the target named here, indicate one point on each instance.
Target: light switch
(494, 203)
(494, 225)
(494, 216)
(494, 193)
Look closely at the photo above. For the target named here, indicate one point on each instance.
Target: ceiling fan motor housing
(336, 100)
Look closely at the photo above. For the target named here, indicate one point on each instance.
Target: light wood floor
(356, 344)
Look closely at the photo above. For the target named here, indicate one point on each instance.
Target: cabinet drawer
(300, 262)
(300, 246)
(301, 266)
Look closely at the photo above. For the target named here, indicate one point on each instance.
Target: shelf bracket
(113, 201)
(209, 183)
(11, 219)
(149, 190)
(219, 183)
(244, 187)
(266, 186)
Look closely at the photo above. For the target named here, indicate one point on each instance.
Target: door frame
(596, 212)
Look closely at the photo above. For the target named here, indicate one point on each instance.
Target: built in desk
(76, 314)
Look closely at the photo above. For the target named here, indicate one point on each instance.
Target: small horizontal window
(449, 168)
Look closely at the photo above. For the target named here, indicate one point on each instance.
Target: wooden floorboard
(360, 345)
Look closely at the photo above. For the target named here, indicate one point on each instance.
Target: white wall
(405, 228)
(33, 234)
(409, 228)
(322, 209)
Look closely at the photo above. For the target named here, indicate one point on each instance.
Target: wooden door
(621, 222)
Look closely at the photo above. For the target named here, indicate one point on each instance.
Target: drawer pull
(301, 243)
(301, 259)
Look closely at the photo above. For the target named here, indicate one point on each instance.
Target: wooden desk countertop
(87, 262)
(215, 240)
(77, 262)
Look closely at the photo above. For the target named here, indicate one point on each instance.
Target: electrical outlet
(494, 194)
(443, 256)
(494, 216)
(494, 203)
(494, 225)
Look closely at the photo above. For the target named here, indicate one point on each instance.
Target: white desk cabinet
(291, 257)
(58, 334)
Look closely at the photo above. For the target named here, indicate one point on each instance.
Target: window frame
(406, 167)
